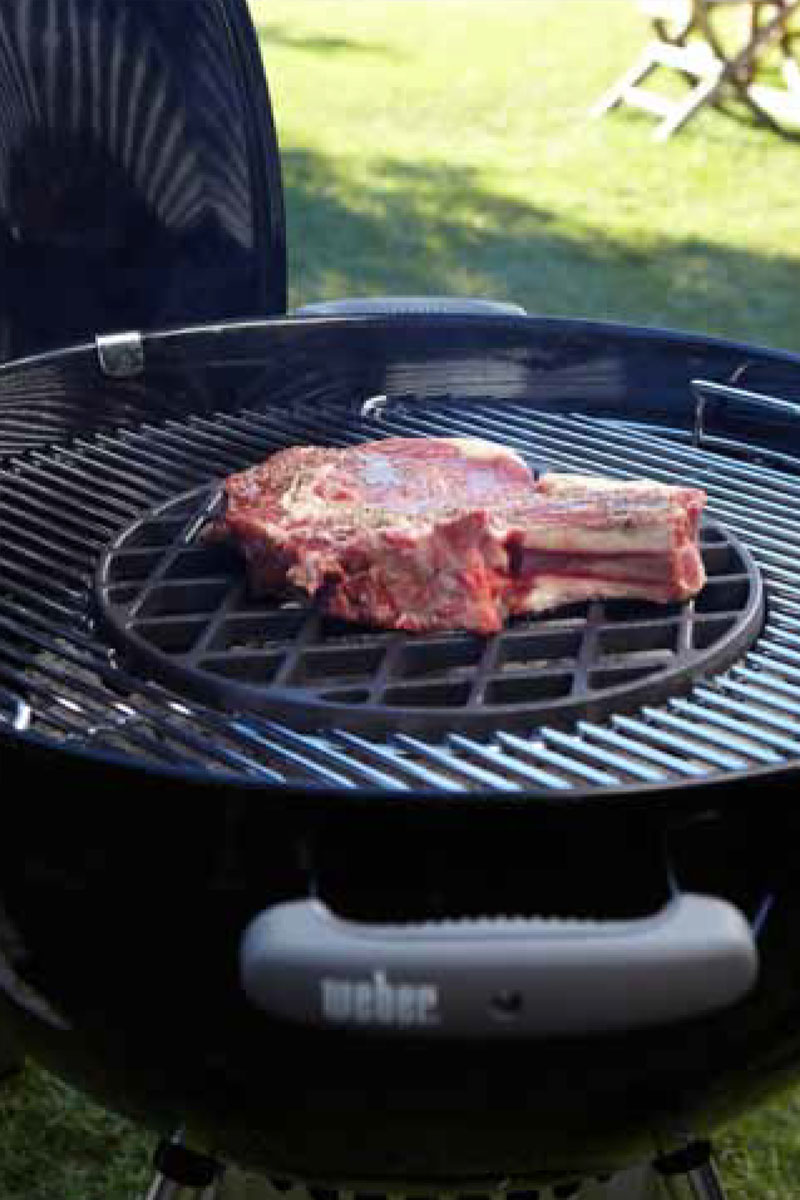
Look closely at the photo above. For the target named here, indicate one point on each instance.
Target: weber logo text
(376, 1001)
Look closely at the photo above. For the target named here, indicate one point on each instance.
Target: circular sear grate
(181, 611)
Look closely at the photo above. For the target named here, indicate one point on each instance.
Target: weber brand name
(376, 1001)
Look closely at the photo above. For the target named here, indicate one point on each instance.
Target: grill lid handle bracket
(121, 355)
(498, 976)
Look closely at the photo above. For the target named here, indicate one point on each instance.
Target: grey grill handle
(401, 306)
(501, 977)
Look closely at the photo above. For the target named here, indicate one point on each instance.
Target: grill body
(152, 828)
(129, 929)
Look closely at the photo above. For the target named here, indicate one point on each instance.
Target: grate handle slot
(501, 976)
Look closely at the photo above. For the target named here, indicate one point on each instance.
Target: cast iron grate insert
(180, 610)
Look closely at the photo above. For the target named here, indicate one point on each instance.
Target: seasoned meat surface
(454, 533)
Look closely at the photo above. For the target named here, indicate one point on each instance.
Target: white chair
(688, 41)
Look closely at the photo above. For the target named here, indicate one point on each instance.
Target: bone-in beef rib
(454, 533)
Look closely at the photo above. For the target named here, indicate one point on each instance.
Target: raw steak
(453, 533)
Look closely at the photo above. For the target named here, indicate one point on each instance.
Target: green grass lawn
(444, 147)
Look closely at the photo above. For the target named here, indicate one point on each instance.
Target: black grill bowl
(126, 919)
(144, 828)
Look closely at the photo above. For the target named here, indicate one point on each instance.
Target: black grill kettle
(140, 191)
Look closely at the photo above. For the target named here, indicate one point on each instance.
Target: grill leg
(166, 1189)
(690, 1174)
(183, 1174)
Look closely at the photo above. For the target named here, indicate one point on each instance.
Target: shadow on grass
(773, 124)
(404, 228)
(57, 1145)
(270, 34)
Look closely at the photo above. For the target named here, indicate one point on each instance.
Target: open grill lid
(87, 454)
(140, 182)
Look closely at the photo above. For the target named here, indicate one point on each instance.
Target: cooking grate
(183, 611)
(60, 680)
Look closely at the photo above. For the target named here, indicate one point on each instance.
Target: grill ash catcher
(428, 915)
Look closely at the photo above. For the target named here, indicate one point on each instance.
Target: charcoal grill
(373, 912)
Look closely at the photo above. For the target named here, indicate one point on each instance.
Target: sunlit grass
(445, 146)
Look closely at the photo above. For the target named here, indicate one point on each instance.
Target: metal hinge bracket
(121, 355)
